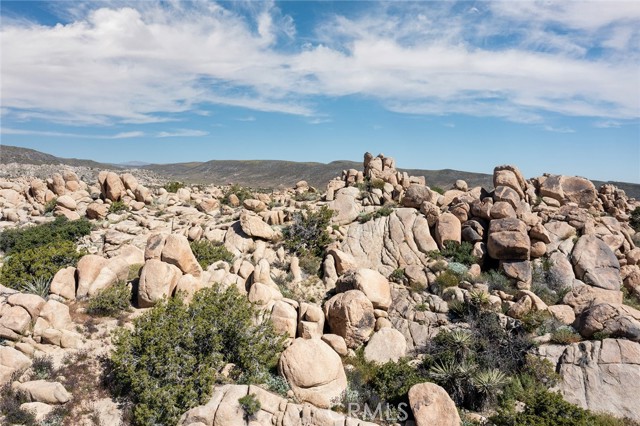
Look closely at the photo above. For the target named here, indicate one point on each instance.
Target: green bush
(444, 280)
(173, 186)
(50, 205)
(392, 381)
(544, 408)
(381, 212)
(170, 361)
(110, 301)
(43, 368)
(398, 276)
(239, 191)
(61, 229)
(310, 264)
(38, 263)
(565, 336)
(308, 232)
(207, 252)
(250, 405)
(460, 253)
(117, 207)
(10, 402)
(437, 189)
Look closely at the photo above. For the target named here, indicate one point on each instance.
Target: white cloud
(121, 135)
(606, 124)
(247, 118)
(120, 64)
(182, 133)
(559, 129)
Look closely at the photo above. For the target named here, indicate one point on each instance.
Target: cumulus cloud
(114, 63)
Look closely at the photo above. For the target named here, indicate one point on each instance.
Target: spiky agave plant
(38, 285)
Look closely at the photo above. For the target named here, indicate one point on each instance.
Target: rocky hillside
(254, 174)
(371, 300)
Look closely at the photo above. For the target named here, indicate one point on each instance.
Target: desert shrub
(306, 196)
(565, 336)
(61, 229)
(437, 189)
(460, 253)
(497, 281)
(170, 361)
(239, 191)
(173, 186)
(207, 252)
(42, 367)
(544, 408)
(277, 384)
(458, 268)
(634, 219)
(445, 280)
(117, 207)
(398, 276)
(310, 264)
(38, 263)
(250, 405)
(392, 381)
(539, 322)
(630, 299)
(110, 301)
(50, 205)
(308, 232)
(10, 402)
(438, 266)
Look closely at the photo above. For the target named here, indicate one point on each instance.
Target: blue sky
(548, 86)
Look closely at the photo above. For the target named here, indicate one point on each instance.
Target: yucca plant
(479, 299)
(488, 383)
(454, 377)
(38, 285)
(460, 341)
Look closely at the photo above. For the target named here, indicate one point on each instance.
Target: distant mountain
(264, 173)
(14, 154)
(133, 164)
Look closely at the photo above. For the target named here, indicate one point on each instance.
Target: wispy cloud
(182, 133)
(606, 124)
(247, 118)
(122, 135)
(143, 62)
(559, 129)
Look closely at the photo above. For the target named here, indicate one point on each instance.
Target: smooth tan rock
(67, 202)
(97, 210)
(431, 405)
(343, 261)
(64, 283)
(385, 345)
(372, 283)
(56, 314)
(16, 319)
(113, 189)
(569, 189)
(613, 319)
(581, 296)
(337, 343)
(31, 302)
(157, 280)
(254, 226)
(43, 391)
(562, 313)
(508, 239)
(314, 371)
(448, 228)
(177, 251)
(87, 271)
(415, 195)
(350, 315)
(284, 318)
(595, 264)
